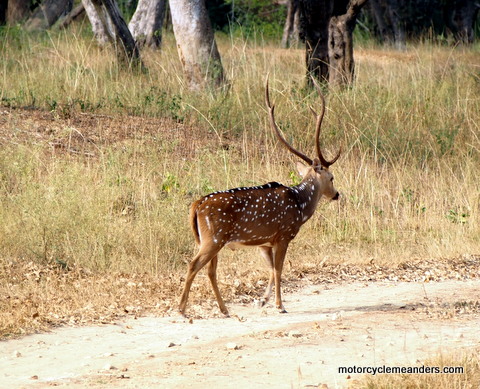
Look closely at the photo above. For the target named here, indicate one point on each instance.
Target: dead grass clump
(469, 379)
(36, 297)
(425, 270)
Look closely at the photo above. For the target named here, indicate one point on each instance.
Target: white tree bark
(108, 22)
(196, 44)
(101, 23)
(147, 21)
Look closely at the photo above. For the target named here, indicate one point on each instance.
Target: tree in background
(326, 27)
(106, 17)
(101, 23)
(147, 22)
(396, 21)
(16, 11)
(3, 13)
(47, 13)
(460, 17)
(314, 19)
(196, 44)
(340, 43)
(291, 30)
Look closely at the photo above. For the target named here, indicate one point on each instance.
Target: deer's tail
(194, 220)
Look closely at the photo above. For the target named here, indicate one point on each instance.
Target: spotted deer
(267, 216)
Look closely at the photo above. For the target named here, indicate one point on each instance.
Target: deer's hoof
(259, 303)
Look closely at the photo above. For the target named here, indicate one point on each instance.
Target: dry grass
(37, 297)
(470, 379)
(98, 181)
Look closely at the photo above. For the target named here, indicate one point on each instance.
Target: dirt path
(326, 327)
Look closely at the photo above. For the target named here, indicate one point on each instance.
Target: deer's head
(316, 170)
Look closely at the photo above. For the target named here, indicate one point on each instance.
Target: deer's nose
(337, 195)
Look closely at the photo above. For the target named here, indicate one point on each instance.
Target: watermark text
(374, 370)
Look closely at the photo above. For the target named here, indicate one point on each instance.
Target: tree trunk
(125, 44)
(101, 23)
(340, 45)
(290, 30)
(147, 21)
(460, 18)
(74, 14)
(3, 13)
(379, 14)
(314, 20)
(394, 10)
(327, 27)
(47, 14)
(295, 39)
(106, 19)
(196, 44)
(17, 11)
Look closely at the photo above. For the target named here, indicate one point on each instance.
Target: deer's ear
(302, 169)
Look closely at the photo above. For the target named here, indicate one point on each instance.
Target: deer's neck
(308, 195)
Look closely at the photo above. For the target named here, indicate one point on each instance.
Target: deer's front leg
(279, 256)
(212, 274)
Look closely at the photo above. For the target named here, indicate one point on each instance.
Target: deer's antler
(271, 109)
(318, 126)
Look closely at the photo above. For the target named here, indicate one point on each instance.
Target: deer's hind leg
(205, 255)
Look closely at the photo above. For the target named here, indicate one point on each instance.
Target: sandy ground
(361, 324)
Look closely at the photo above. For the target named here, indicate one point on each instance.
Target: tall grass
(408, 173)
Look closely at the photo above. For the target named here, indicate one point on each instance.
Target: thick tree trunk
(17, 11)
(196, 44)
(340, 45)
(147, 21)
(47, 14)
(314, 21)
